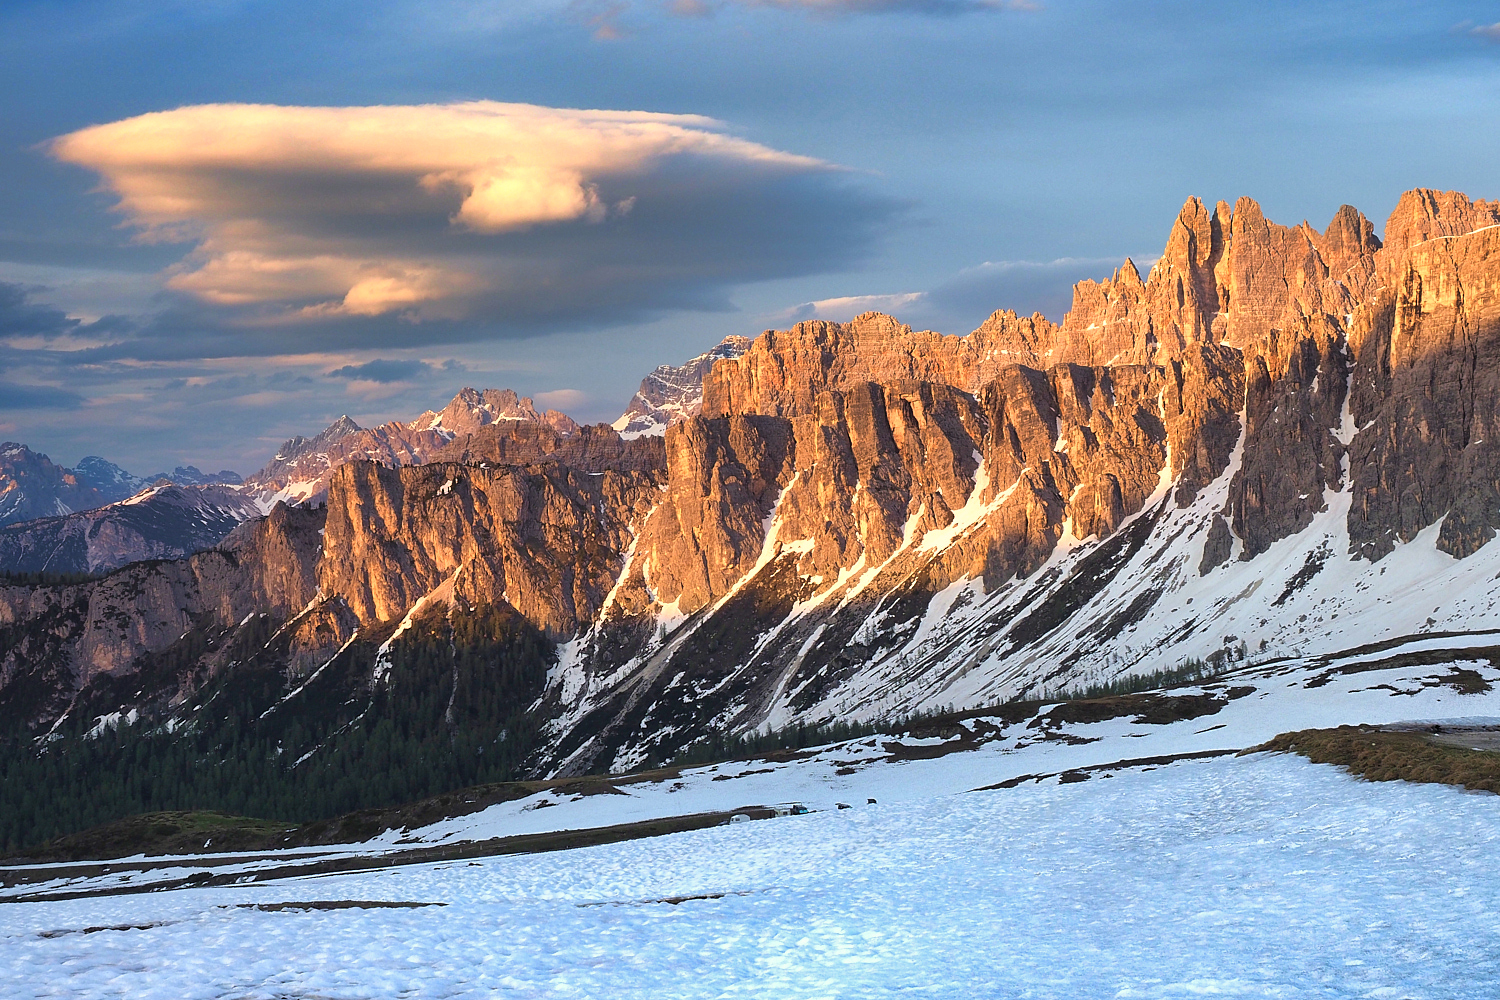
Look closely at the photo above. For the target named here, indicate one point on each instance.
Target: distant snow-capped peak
(673, 393)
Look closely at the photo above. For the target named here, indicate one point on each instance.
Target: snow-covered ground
(1259, 875)
(1262, 876)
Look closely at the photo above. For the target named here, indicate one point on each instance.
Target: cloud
(36, 397)
(383, 370)
(512, 214)
(841, 310)
(603, 16)
(1489, 32)
(19, 316)
(893, 6)
(560, 399)
(25, 323)
(1024, 286)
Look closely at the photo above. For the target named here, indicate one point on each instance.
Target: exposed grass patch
(166, 833)
(1378, 755)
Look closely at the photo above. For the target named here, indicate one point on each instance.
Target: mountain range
(107, 518)
(1279, 442)
(32, 486)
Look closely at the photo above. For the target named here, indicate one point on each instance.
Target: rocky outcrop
(1426, 388)
(546, 539)
(592, 448)
(673, 393)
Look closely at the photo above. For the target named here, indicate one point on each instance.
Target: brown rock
(1427, 380)
(546, 539)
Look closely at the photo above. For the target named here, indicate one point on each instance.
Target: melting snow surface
(1256, 877)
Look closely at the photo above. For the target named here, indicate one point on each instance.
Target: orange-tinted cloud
(421, 211)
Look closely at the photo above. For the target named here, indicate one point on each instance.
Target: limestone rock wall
(1426, 391)
(265, 566)
(547, 539)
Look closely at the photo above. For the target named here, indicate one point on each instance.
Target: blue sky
(938, 158)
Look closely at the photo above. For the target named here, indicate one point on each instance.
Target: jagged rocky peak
(107, 477)
(673, 393)
(300, 446)
(472, 409)
(1424, 214)
(299, 474)
(1226, 276)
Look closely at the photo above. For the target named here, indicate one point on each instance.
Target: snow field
(1263, 876)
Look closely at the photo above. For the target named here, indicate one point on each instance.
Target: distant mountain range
(102, 517)
(160, 522)
(299, 472)
(32, 486)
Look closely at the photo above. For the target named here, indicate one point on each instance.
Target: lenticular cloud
(438, 211)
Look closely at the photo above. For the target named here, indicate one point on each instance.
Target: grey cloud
(383, 370)
(691, 237)
(19, 316)
(1023, 286)
(22, 316)
(932, 7)
(36, 397)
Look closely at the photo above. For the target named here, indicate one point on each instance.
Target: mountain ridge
(300, 470)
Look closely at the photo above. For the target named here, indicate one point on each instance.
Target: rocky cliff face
(1278, 440)
(593, 448)
(56, 641)
(1426, 345)
(546, 539)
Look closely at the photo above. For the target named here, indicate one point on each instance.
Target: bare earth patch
(1437, 754)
